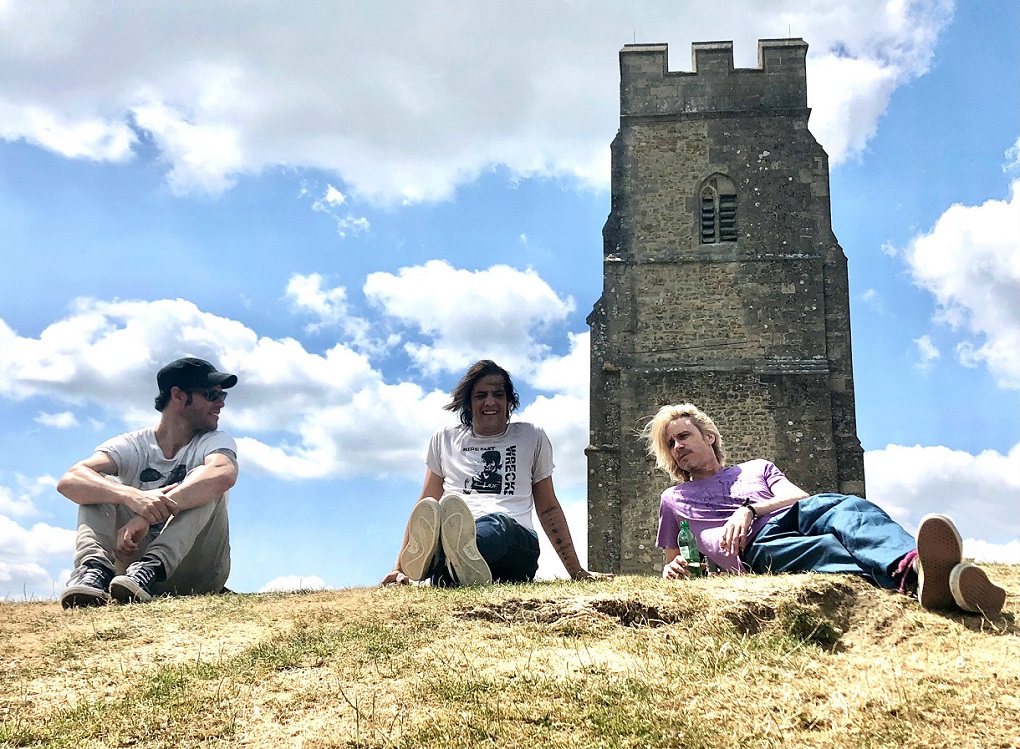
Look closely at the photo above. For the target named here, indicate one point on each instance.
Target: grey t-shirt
(493, 474)
(141, 463)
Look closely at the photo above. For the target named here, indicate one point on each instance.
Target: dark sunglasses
(211, 395)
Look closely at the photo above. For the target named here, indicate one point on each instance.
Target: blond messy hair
(657, 441)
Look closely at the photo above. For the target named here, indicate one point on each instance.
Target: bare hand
(736, 530)
(129, 537)
(583, 574)
(396, 578)
(152, 505)
(676, 569)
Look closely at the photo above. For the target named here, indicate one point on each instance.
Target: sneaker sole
(422, 539)
(80, 596)
(939, 550)
(126, 590)
(457, 535)
(973, 591)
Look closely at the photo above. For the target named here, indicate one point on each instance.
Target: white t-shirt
(141, 463)
(493, 474)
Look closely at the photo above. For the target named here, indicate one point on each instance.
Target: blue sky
(348, 204)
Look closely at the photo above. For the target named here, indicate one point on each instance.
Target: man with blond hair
(751, 518)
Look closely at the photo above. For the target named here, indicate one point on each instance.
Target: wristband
(747, 503)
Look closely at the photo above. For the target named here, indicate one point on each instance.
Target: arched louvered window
(718, 210)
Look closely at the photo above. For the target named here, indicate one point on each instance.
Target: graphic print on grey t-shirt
(176, 476)
(490, 479)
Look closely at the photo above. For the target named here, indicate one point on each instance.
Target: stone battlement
(648, 87)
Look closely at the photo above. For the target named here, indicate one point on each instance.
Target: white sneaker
(457, 535)
(939, 550)
(419, 552)
(973, 591)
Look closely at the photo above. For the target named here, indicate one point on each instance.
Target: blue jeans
(831, 533)
(510, 550)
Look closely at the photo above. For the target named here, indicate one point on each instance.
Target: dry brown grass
(808, 660)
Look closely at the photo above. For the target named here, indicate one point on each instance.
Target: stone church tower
(724, 286)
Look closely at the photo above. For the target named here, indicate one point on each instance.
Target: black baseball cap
(190, 373)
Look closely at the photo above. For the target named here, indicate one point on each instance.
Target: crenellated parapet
(648, 87)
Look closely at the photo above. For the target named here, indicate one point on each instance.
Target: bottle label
(693, 559)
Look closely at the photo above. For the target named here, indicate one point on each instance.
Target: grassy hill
(808, 660)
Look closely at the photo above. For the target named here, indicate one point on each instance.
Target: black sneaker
(139, 582)
(87, 586)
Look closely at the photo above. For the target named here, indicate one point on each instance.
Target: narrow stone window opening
(718, 210)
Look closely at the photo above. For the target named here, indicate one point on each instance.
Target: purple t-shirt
(706, 505)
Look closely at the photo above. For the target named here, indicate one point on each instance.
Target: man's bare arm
(87, 482)
(433, 486)
(204, 483)
(554, 523)
(784, 494)
(735, 533)
(674, 565)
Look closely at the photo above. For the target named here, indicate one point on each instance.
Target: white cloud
(983, 551)
(927, 351)
(970, 262)
(333, 197)
(565, 419)
(306, 294)
(82, 137)
(27, 581)
(497, 313)
(1012, 157)
(351, 224)
(202, 157)
(860, 60)
(345, 224)
(537, 91)
(979, 492)
(566, 374)
(334, 409)
(288, 583)
(848, 96)
(329, 414)
(62, 420)
(39, 544)
(20, 502)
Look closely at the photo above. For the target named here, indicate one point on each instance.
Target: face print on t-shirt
(489, 480)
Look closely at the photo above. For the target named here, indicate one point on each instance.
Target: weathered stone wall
(754, 331)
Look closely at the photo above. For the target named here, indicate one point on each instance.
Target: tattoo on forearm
(555, 525)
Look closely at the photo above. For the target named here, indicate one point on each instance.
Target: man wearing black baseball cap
(166, 518)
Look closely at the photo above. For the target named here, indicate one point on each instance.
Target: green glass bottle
(689, 550)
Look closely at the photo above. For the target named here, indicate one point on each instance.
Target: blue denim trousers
(510, 550)
(831, 533)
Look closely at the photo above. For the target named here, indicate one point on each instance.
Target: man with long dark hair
(472, 523)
